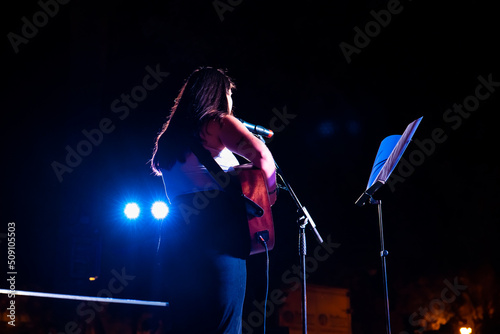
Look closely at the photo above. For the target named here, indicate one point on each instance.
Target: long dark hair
(202, 98)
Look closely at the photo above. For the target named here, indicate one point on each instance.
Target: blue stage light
(159, 210)
(132, 210)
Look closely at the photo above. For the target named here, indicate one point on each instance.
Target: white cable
(75, 297)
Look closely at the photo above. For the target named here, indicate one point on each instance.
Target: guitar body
(254, 187)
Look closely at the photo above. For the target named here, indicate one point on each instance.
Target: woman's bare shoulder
(210, 134)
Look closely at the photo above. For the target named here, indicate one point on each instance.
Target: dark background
(440, 223)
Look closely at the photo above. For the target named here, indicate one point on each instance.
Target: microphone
(257, 129)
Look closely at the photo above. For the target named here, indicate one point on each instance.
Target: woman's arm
(236, 137)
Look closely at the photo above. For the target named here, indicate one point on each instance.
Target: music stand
(390, 151)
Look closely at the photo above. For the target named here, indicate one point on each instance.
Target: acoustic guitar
(259, 214)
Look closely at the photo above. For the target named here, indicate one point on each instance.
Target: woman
(204, 269)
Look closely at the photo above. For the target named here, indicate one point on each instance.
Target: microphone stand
(304, 220)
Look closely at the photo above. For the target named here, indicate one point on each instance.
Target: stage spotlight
(159, 210)
(132, 210)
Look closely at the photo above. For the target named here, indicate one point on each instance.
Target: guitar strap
(228, 182)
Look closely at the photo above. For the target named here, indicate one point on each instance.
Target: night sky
(333, 79)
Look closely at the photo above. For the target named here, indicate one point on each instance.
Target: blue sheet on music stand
(391, 149)
(392, 160)
(384, 151)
